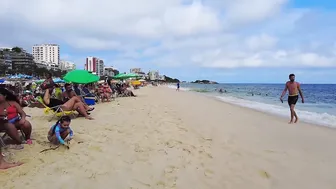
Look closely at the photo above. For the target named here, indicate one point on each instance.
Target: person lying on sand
(60, 131)
(4, 164)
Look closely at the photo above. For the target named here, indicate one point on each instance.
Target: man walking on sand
(178, 86)
(294, 90)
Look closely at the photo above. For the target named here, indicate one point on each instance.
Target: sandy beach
(169, 139)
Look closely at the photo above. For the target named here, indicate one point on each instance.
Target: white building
(154, 75)
(66, 65)
(46, 54)
(162, 78)
(135, 70)
(94, 65)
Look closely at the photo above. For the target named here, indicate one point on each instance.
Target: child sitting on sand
(60, 131)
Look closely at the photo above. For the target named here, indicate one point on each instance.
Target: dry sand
(169, 139)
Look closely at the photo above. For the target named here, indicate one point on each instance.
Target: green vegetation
(17, 49)
(204, 82)
(171, 80)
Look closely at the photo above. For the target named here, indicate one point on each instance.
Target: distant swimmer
(220, 91)
(178, 86)
(294, 90)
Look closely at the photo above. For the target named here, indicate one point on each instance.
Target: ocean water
(319, 107)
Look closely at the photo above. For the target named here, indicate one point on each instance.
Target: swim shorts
(293, 99)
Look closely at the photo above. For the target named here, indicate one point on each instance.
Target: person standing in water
(294, 90)
(178, 86)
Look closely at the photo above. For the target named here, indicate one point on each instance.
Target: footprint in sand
(207, 155)
(264, 174)
(182, 129)
(170, 177)
(208, 173)
(170, 169)
(95, 148)
(173, 143)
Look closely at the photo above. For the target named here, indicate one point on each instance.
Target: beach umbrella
(119, 75)
(58, 80)
(39, 81)
(80, 77)
(126, 76)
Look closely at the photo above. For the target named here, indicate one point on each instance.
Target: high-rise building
(47, 54)
(94, 65)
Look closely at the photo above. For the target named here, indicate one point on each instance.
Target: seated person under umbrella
(69, 93)
(74, 103)
(86, 91)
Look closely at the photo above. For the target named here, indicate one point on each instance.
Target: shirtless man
(294, 90)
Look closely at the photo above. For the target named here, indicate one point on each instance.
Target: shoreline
(279, 115)
(275, 116)
(168, 139)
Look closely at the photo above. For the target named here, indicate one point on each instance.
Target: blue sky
(225, 41)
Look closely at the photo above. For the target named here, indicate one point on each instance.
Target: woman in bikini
(105, 92)
(13, 113)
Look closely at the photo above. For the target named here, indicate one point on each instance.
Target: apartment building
(46, 54)
(94, 65)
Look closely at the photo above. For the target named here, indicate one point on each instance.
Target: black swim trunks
(293, 99)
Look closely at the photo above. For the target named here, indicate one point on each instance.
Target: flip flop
(91, 109)
(29, 142)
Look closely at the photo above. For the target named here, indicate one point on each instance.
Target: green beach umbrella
(118, 75)
(80, 77)
(126, 76)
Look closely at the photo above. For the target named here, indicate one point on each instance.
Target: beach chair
(3, 137)
(56, 111)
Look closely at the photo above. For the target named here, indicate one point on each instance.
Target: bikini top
(11, 111)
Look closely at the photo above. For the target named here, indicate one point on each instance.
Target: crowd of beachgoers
(65, 101)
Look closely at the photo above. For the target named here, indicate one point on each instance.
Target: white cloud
(261, 42)
(208, 33)
(256, 10)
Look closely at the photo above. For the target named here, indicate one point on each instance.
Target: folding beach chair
(3, 137)
(56, 111)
